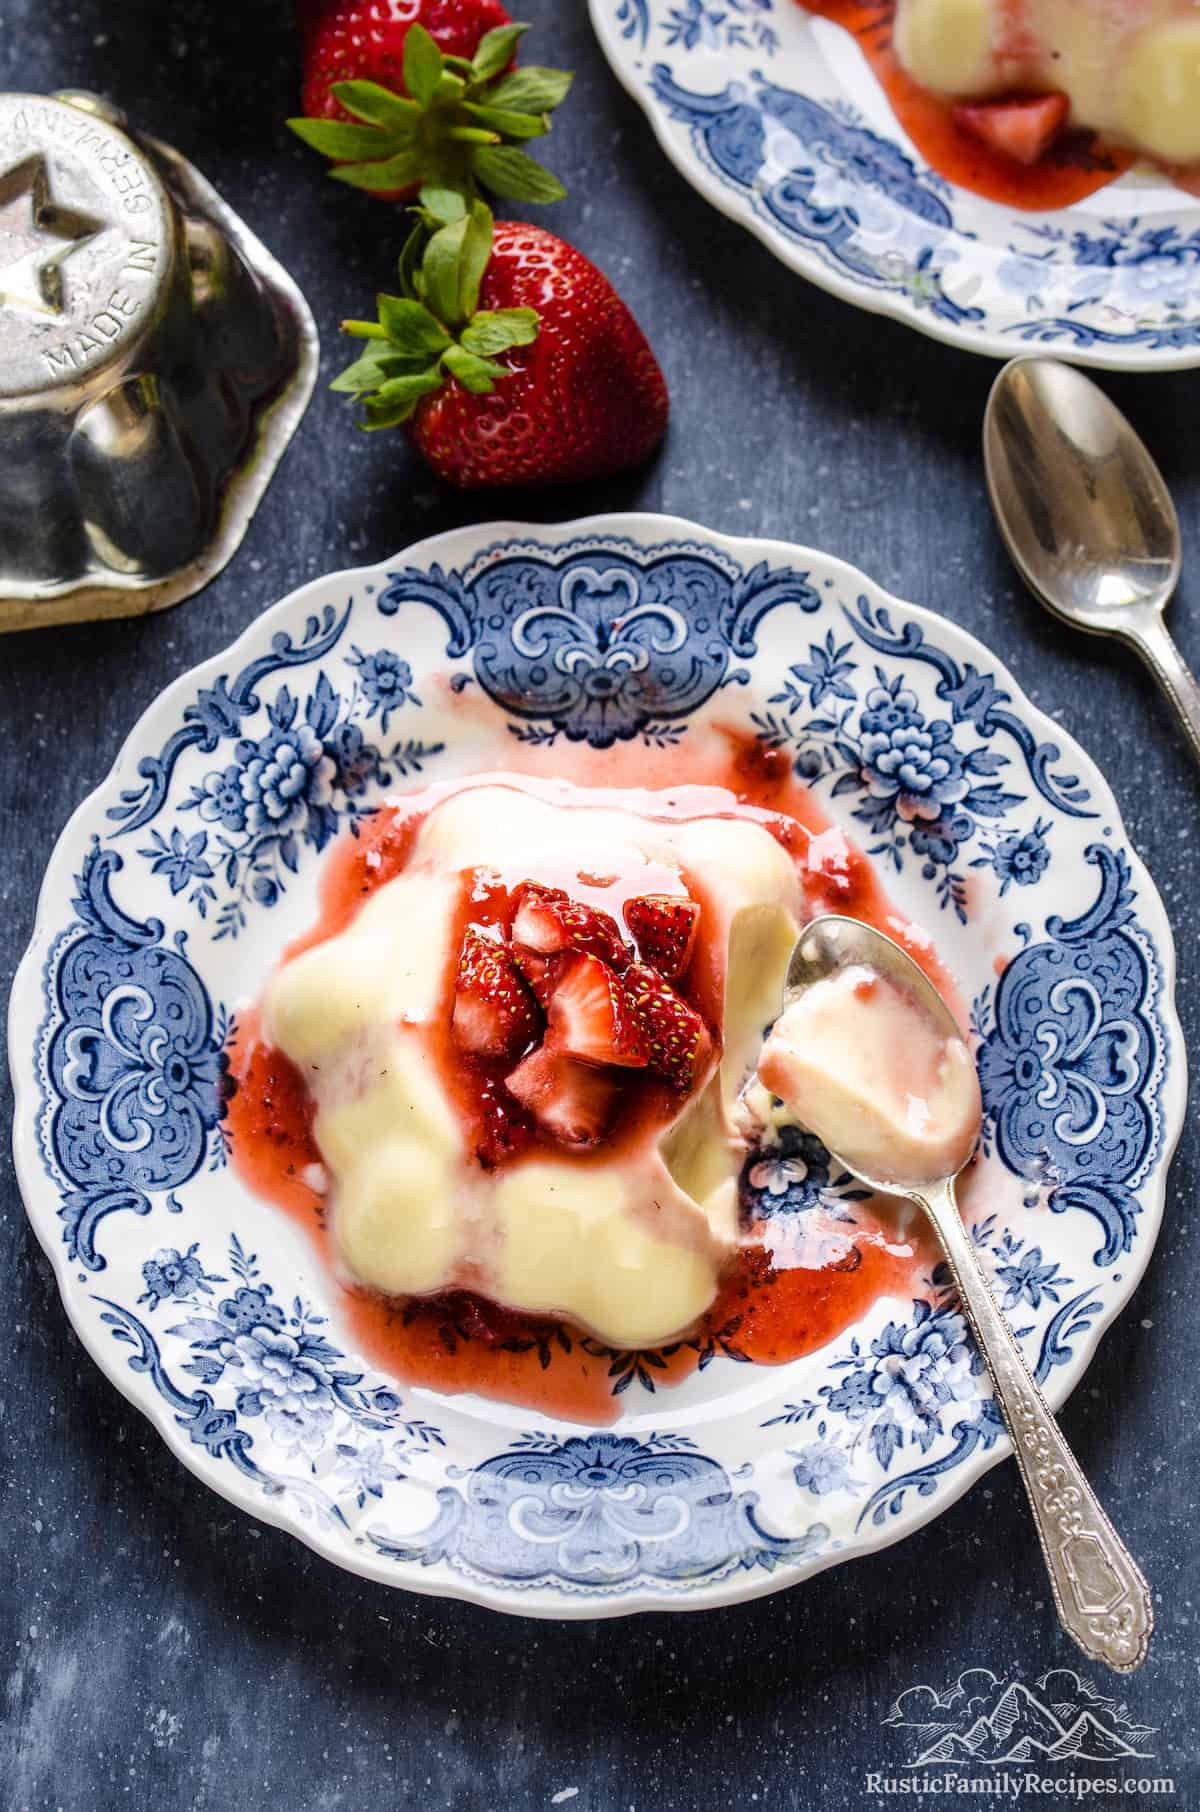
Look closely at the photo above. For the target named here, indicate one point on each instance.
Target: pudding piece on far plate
(1036, 104)
(1128, 69)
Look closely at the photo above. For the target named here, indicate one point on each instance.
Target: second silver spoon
(1086, 515)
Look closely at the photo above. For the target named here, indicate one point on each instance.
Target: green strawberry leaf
(398, 172)
(510, 173)
(411, 328)
(475, 257)
(372, 101)
(495, 50)
(460, 125)
(423, 65)
(508, 125)
(495, 330)
(471, 135)
(531, 90)
(367, 373)
(409, 265)
(434, 330)
(478, 375)
(395, 401)
(444, 205)
(441, 271)
(337, 138)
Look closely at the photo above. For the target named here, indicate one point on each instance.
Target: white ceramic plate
(774, 116)
(175, 885)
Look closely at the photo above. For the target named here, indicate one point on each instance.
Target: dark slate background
(160, 1650)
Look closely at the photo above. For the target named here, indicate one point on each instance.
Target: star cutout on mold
(36, 234)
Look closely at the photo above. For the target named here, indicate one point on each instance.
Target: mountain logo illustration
(981, 1718)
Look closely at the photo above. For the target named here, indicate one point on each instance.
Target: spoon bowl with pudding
(869, 1056)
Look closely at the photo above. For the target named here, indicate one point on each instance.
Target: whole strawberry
(511, 358)
(363, 40)
(415, 95)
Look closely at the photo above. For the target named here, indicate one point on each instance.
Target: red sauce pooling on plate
(765, 1311)
(1076, 165)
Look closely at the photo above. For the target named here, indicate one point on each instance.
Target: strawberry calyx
(460, 126)
(434, 329)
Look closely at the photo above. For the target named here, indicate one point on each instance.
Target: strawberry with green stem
(509, 357)
(460, 123)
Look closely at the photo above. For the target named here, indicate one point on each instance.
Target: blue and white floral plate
(174, 887)
(775, 117)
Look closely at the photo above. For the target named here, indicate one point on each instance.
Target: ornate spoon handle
(1103, 1602)
(1157, 648)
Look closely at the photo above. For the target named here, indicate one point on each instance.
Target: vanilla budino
(630, 1240)
(156, 360)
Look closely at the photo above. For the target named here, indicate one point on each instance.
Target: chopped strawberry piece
(1022, 127)
(538, 971)
(571, 1101)
(679, 1044)
(590, 1017)
(502, 1131)
(665, 926)
(548, 920)
(494, 1014)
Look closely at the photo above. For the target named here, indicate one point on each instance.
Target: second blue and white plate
(774, 116)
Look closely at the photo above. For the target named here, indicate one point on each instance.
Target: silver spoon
(1086, 516)
(1103, 1601)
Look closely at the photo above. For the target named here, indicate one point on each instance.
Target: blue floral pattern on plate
(602, 651)
(178, 883)
(774, 117)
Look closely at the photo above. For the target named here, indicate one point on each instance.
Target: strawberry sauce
(769, 1308)
(1077, 164)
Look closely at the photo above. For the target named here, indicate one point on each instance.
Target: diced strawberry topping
(1022, 127)
(494, 1013)
(502, 1130)
(589, 1016)
(538, 971)
(549, 999)
(570, 1101)
(548, 920)
(665, 926)
(679, 1044)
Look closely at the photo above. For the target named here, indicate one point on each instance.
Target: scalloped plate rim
(24, 1011)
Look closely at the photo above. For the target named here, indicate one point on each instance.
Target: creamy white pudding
(862, 1065)
(629, 1240)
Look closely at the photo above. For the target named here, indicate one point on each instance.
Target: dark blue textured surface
(158, 1649)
